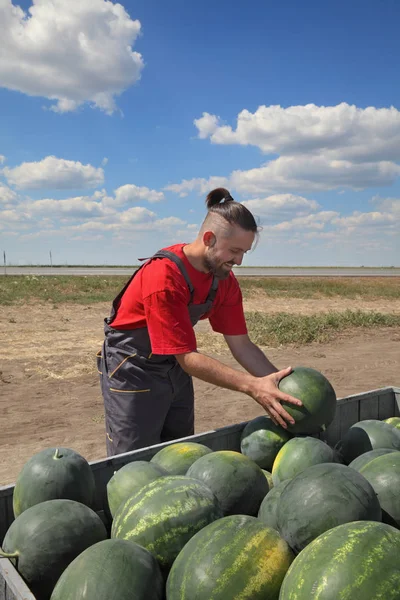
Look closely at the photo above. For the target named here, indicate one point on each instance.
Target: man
(149, 355)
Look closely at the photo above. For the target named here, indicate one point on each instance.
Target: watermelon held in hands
(234, 557)
(367, 435)
(367, 566)
(322, 497)
(46, 538)
(299, 454)
(111, 569)
(237, 481)
(129, 479)
(318, 398)
(54, 473)
(164, 514)
(261, 441)
(176, 459)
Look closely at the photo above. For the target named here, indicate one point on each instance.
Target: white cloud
(7, 195)
(391, 205)
(131, 193)
(76, 208)
(199, 184)
(136, 214)
(54, 173)
(314, 221)
(2, 159)
(343, 131)
(280, 204)
(73, 52)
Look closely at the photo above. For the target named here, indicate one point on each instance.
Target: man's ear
(209, 239)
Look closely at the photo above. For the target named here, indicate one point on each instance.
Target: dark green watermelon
(177, 458)
(383, 473)
(163, 516)
(359, 462)
(54, 473)
(261, 441)
(234, 558)
(367, 435)
(269, 506)
(354, 561)
(318, 398)
(111, 569)
(299, 454)
(45, 539)
(322, 497)
(129, 479)
(236, 480)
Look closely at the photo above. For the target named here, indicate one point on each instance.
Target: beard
(212, 264)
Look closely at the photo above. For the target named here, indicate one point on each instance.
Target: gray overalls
(148, 398)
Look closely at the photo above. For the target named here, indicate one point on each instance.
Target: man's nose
(238, 261)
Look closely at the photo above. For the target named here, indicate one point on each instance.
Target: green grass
(100, 288)
(286, 328)
(322, 287)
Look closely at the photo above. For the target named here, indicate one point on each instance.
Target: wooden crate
(375, 404)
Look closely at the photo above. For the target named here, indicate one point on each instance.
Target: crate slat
(12, 586)
(369, 409)
(386, 405)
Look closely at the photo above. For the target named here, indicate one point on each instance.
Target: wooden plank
(12, 586)
(369, 408)
(386, 406)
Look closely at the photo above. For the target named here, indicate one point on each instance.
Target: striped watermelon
(236, 480)
(261, 441)
(165, 514)
(358, 560)
(234, 558)
(269, 506)
(177, 458)
(322, 497)
(299, 454)
(128, 480)
(395, 421)
(111, 569)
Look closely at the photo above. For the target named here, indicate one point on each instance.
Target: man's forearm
(215, 372)
(253, 359)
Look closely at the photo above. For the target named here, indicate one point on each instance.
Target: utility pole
(5, 264)
(51, 260)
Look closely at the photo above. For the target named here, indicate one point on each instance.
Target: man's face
(225, 252)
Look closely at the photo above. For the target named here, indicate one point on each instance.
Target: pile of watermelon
(285, 518)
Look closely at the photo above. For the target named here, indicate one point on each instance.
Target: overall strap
(180, 265)
(213, 290)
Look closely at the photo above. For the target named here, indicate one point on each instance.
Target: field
(52, 327)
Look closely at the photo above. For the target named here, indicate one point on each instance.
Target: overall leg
(179, 421)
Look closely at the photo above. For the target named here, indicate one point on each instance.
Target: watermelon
(395, 421)
(318, 398)
(236, 480)
(45, 539)
(359, 462)
(111, 569)
(268, 476)
(322, 497)
(354, 560)
(383, 473)
(54, 473)
(299, 454)
(261, 441)
(164, 514)
(234, 558)
(177, 458)
(367, 435)
(128, 480)
(269, 506)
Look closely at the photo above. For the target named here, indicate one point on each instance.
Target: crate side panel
(350, 414)
(386, 405)
(332, 433)
(397, 403)
(12, 586)
(369, 408)
(6, 511)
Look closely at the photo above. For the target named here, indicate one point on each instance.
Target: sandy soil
(49, 389)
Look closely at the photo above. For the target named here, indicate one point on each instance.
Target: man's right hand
(266, 392)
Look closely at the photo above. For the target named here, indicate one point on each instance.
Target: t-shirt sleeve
(229, 318)
(165, 303)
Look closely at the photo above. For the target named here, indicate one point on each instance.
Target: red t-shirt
(158, 298)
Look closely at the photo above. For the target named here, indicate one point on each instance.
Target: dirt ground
(49, 388)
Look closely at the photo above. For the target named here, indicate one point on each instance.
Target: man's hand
(265, 391)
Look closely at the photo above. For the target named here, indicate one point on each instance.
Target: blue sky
(116, 119)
